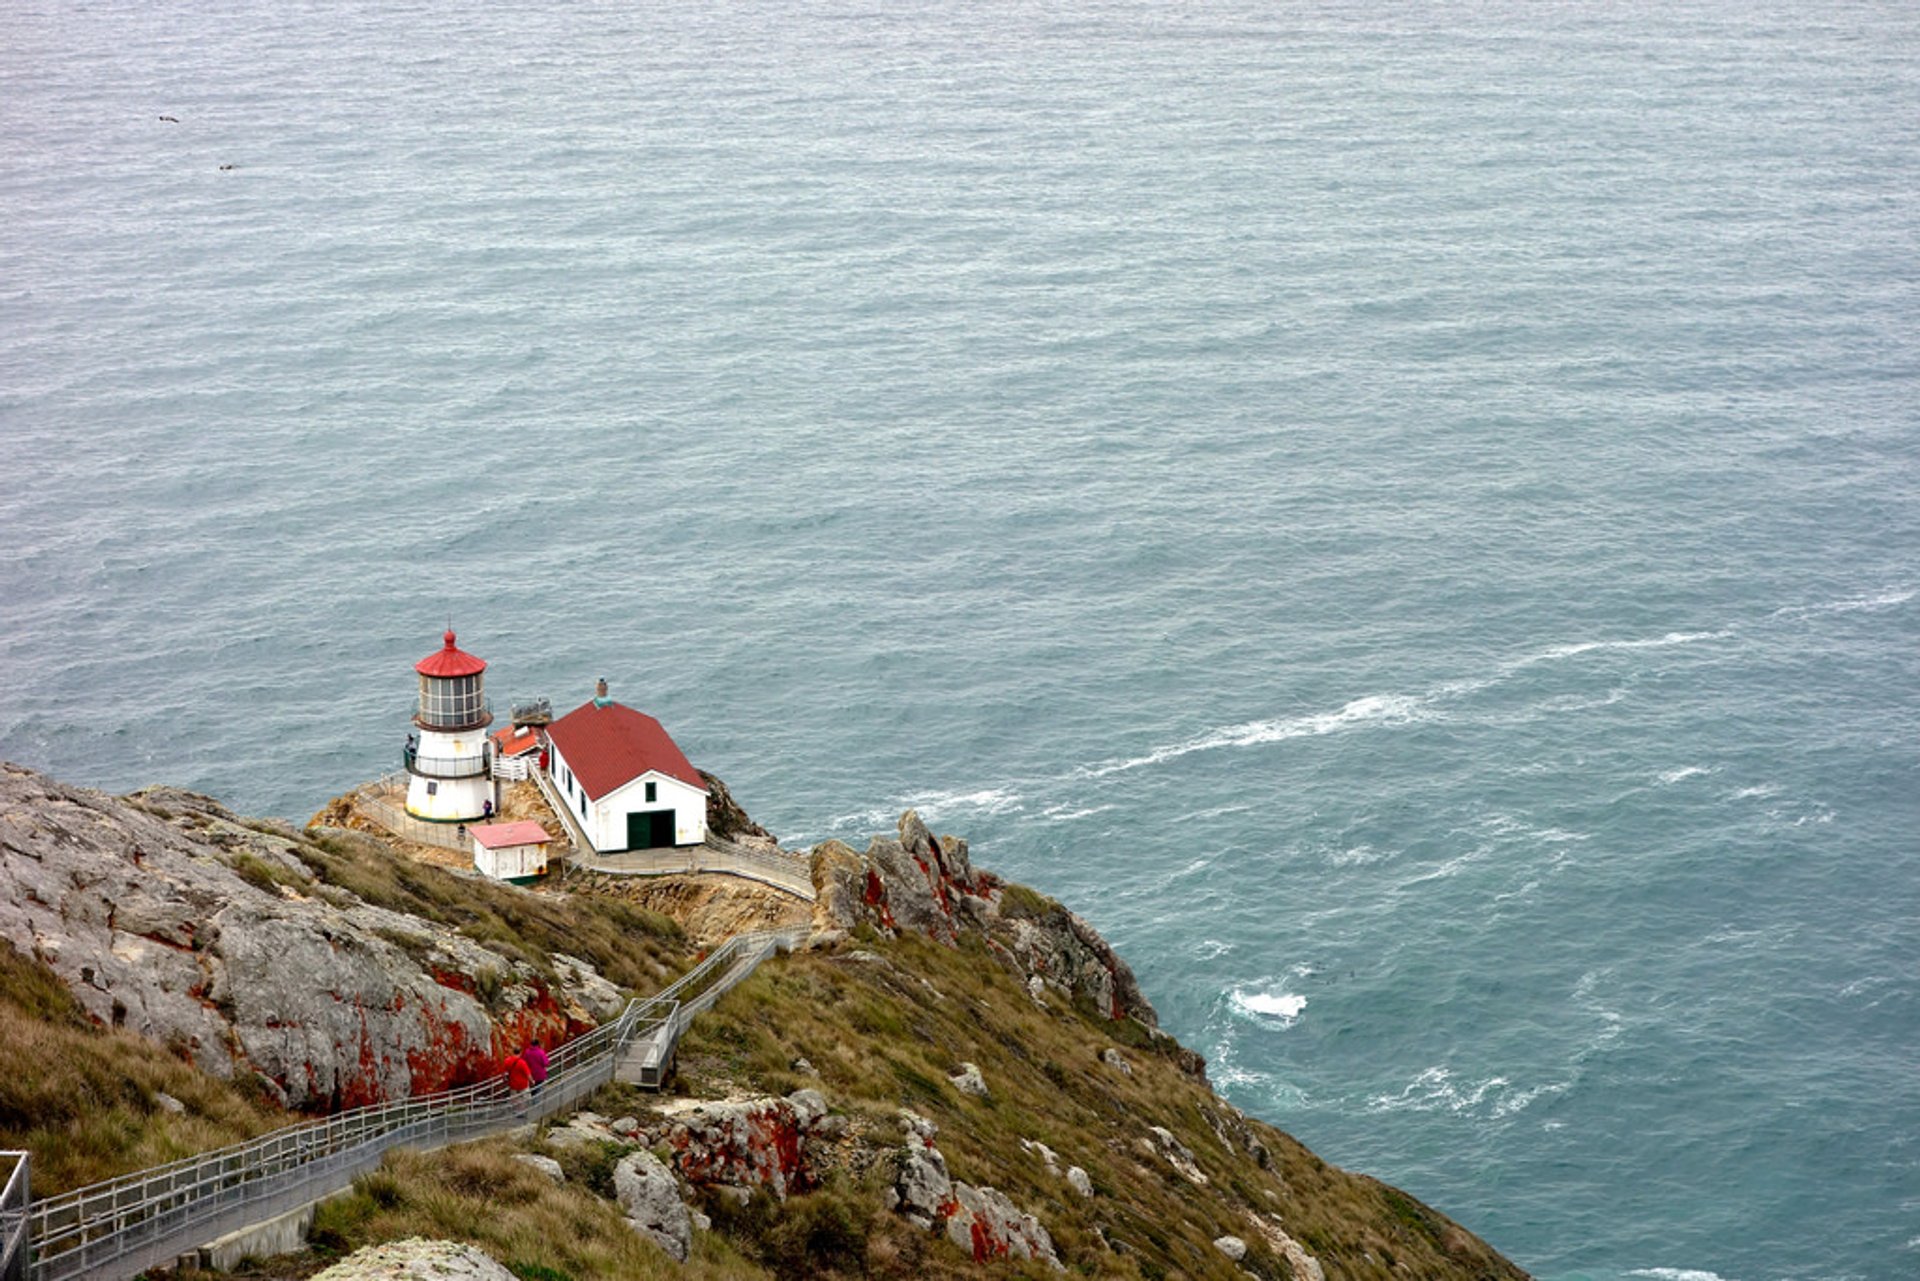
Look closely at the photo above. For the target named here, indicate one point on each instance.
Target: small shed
(515, 852)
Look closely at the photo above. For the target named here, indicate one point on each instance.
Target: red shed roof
(499, 836)
(514, 740)
(449, 660)
(608, 747)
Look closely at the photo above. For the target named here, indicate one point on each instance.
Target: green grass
(885, 1035)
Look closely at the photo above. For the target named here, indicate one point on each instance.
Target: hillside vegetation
(954, 1078)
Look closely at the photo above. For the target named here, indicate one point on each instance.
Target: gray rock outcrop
(982, 1221)
(168, 916)
(917, 881)
(416, 1259)
(650, 1196)
(765, 1142)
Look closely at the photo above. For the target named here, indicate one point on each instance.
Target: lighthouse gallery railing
(121, 1226)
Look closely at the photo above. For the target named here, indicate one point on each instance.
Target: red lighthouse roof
(450, 660)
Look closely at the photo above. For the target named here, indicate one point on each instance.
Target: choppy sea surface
(1406, 516)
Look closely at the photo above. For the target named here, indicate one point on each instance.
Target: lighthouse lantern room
(451, 775)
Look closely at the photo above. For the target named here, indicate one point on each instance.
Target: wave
(1374, 709)
(1434, 1090)
(1852, 605)
(1382, 710)
(1677, 1274)
(1577, 648)
(1067, 813)
(933, 806)
(1672, 776)
(1283, 1008)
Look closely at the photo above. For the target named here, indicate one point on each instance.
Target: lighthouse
(451, 779)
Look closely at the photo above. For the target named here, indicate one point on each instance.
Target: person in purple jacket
(536, 1065)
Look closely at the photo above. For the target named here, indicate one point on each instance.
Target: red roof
(498, 836)
(450, 661)
(608, 747)
(512, 740)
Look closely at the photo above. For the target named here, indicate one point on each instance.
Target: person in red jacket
(536, 1065)
(519, 1077)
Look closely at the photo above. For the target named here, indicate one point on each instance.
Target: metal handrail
(468, 766)
(14, 1201)
(790, 872)
(118, 1226)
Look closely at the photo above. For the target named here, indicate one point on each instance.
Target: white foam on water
(1761, 790)
(1576, 648)
(1672, 776)
(1507, 825)
(933, 806)
(1373, 710)
(1852, 605)
(1068, 814)
(1435, 1090)
(1677, 1274)
(1380, 710)
(986, 800)
(1356, 856)
(1282, 1007)
(1208, 949)
(1452, 867)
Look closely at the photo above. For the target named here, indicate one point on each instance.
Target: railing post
(16, 1243)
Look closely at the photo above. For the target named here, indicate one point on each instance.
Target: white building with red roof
(626, 781)
(514, 852)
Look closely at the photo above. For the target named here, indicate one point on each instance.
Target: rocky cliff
(225, 940)
(955, 1077)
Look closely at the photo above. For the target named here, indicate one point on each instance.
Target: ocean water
(1406, 516)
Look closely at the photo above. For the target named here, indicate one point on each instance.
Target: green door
(649, 829)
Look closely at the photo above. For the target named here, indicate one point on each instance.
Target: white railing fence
(117, 1228)
(13, 1219)
(384, 801)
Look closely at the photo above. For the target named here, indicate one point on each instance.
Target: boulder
(544, 1164)
(1177, 1154)
(1304, 1266)
(981, 1221)
(416, 1259)
(1233, 1247)
(765, 1142)
(839, 887)
(969, 1081)
(583, 986)
(650, 1196)
(922, 1185)
(1077, 1179)
(989, 1226)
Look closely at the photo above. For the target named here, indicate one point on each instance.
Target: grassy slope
(884, 1022)
(886, 1034)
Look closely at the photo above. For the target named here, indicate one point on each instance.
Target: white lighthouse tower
(452, 777)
